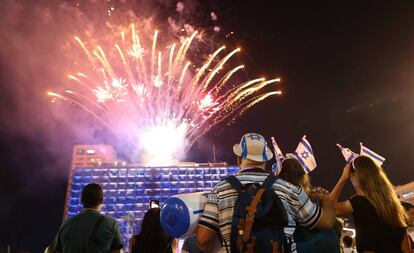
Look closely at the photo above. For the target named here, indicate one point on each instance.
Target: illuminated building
(406, 192)
(128, 188)
(92, 155)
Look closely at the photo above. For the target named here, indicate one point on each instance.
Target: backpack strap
(252, 208)
(251, 214)
(269, 181)
(235, 183)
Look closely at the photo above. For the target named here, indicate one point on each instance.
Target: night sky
(347, 76)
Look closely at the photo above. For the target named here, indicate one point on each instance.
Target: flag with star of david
(278, 157)
(347, 153)
(305, 155)
(378, 160)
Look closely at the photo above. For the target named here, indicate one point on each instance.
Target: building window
(90, 151)
(80, 152)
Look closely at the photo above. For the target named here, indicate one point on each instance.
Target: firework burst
(153, 95)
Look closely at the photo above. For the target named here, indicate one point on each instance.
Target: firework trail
(153, 95)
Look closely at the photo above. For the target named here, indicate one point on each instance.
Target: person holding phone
(151, 238)
(154, 204)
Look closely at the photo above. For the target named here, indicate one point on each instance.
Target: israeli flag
(378, 160)
(347, 153)
(277, 168)
(305, 156)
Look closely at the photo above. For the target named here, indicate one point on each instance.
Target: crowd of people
(304, 218)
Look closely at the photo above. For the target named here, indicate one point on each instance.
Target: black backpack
(258, 218)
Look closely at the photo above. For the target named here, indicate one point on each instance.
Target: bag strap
(95, 228)
(269, 181)
(235, 183)
(251, 214)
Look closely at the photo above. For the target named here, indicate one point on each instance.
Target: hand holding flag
(350, 156)
(278, 156)
(347, 153)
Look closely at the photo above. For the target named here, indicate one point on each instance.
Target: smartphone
(154, 204)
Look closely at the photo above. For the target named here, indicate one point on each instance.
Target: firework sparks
(136, 51)
(160, 98)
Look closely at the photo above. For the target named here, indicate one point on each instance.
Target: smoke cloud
(37, 54)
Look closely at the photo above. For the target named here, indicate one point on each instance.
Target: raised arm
(345, 207)
(334, 195)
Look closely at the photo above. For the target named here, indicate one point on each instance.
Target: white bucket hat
(254, 147)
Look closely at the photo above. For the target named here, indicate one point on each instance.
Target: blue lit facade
(128, 190)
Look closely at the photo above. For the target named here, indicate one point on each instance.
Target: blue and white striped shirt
(218, 212)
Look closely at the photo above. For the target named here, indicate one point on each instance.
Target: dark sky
(347, 76)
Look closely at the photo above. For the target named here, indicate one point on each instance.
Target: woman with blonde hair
(379, 218)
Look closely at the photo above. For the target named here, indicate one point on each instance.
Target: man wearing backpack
(90, 231)
(255, 211)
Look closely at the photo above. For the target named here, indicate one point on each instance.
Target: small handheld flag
(347, 153)
(278, 157)
(304, 154)
(378, 160)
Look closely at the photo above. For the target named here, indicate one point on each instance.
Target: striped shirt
(218, 211)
